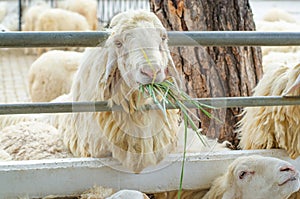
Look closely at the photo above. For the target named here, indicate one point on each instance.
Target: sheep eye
(242, 174)
(118, 44)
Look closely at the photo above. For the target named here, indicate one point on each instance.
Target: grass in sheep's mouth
(167, 93)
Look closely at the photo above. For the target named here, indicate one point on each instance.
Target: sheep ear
(111, 65)
(292, 88)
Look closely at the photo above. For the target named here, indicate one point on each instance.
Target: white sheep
(256, 177)
(278, 20)
(136, 53)
(273, 126)
(56, 19)
(31, 141)
(113, 73)
(277, 14)
(31, 16)
(246, 178)
(99, 192)
(51, 75)
(87, 8)
(128, 194)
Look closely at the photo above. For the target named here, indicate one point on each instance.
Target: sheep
(276, 14)
(113, 74)
(56, 19)
(51, 75)
(128, 194)
(31, 16)
(273, 126)
(248, 177)
(87, 8)
(137, 138)
(31, 140)
(278, 20)
(100, 192)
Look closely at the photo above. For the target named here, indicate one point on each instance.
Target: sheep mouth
(292, 178)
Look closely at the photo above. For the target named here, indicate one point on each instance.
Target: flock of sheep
(137, 53)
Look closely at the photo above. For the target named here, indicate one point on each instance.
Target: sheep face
(142, 55)
(261, 177)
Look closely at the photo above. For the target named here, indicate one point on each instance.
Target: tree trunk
(213, 71)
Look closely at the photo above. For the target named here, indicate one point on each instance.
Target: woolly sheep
(273, 126)
(113, 74)
(51, 75)
(277, 14)
(278, 20)
(56, 19)
(128, 194)
(136, 138)
(87, 8)
(32, 141)
(246, 178)
(99, 192)
(31, 16)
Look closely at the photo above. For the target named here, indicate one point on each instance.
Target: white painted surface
(69, 176)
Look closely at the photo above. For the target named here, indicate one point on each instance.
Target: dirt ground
(14, 65)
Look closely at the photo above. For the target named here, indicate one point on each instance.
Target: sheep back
(61, 20)
(32, 140)
(51, 75)
(273, 126)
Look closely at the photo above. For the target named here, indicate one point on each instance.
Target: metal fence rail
(176, 38)
(68, 107)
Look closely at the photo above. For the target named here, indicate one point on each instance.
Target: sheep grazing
(273, 126)
(136, 53)
(246, 178)
(87, 8)
(51, 75)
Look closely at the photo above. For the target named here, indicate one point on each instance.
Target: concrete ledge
(70, 176)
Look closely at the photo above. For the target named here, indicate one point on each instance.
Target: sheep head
(138, 52)
(257, 177)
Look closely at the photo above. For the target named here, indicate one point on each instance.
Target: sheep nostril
(150, 72)
(287, 169)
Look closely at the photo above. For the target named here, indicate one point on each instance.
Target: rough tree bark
(213, 71)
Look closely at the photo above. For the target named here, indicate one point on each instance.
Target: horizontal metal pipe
(176, 38)
(68, 107)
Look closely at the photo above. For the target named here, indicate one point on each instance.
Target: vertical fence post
(20, 15)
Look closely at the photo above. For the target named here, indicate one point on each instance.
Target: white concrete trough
(40, 178)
